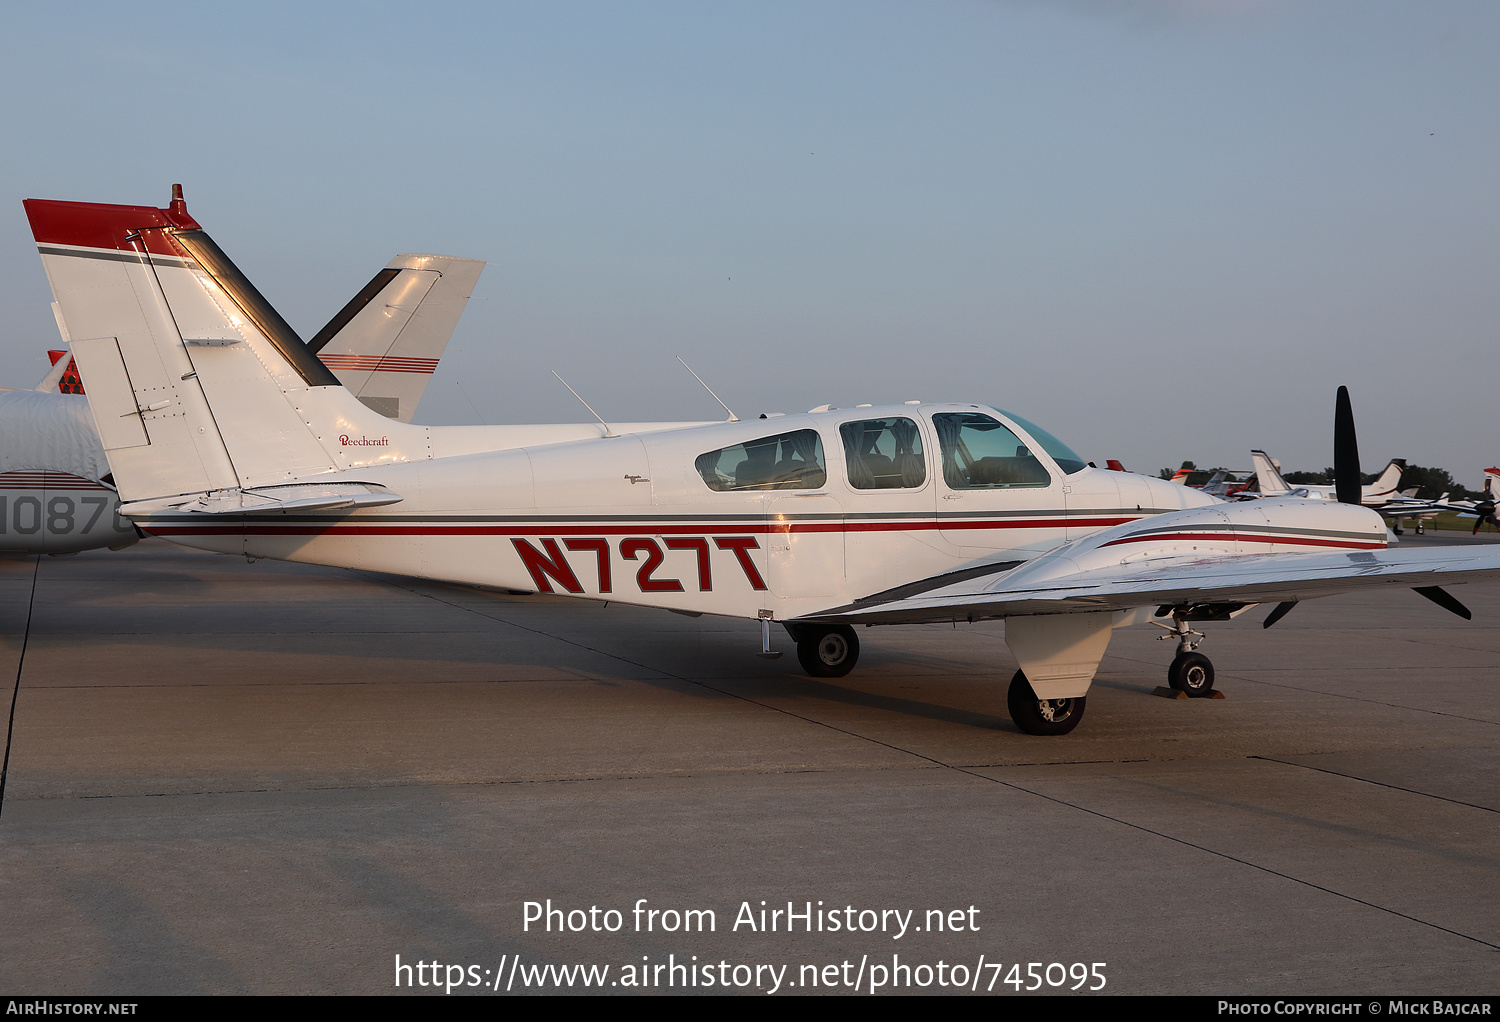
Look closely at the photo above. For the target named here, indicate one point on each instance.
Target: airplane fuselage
(778, 517)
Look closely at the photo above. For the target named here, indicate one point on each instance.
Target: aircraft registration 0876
(224, 433)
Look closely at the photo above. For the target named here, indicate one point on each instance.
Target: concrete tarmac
(273, 778)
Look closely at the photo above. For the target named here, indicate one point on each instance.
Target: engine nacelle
(1245, 528)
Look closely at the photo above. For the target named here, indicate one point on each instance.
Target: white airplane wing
(1175, 581)
(385, 344)
(1255, 552)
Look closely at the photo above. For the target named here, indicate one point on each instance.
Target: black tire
(1041, 716)
(1192, 673)
(827, 651)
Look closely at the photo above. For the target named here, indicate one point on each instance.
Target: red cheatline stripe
(379, 360)
(382, 364)
(1220, 537)
(916, 526)
(639, 529)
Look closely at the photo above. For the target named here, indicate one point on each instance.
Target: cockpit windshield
(1066, 458)
(981, 453)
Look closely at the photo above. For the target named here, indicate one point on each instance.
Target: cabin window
(883, 454)
(787, 461)
(980, 453)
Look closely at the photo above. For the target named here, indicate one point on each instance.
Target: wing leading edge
(1206, 555)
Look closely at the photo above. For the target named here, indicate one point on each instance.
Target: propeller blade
(1346, 476)
(1443, 598)
(1281, 611)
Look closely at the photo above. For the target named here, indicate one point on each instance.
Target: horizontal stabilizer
(273, 500)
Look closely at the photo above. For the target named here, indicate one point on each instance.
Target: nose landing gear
(1191, 673)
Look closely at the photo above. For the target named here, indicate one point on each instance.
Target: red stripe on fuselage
(635, 529)
(1221, 537)
(380, 364)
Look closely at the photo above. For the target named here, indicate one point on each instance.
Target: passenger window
(980, 453)
(788, 461)
(884, 454)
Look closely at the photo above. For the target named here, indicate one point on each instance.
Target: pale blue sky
(1163, 230)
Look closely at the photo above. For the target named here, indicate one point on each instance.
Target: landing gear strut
(1191, 672)
(1041, 716)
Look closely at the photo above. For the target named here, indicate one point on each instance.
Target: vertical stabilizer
(1384, 488)
(1268, 476)
(195, 382)
(99, 261)
(385, 344)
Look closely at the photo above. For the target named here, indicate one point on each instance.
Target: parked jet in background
(225, 433)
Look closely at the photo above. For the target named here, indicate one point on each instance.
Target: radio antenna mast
(608, 429)
(732, 417)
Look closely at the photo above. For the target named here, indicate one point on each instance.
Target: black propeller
(1281, 611)
(1443, 598)
(1346, 477)
(1350, 490)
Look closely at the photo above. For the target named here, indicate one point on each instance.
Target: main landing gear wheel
(1192, 673)
(1041, 716)
(827, 651)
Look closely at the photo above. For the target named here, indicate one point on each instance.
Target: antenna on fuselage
(732, 417)
(608, 430)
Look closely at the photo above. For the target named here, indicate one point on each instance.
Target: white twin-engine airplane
(225, 433)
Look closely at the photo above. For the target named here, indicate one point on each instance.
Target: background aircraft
(225, 433)
(1482, 509)
(1382, 491)
(1383, 494)
(1217, 483)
